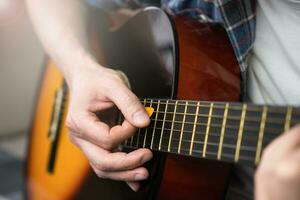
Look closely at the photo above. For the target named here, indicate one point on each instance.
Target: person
(265, 37)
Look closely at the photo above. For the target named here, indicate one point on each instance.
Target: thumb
(130, 106)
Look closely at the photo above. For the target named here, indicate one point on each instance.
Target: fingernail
(140, 117)
(146, 158)
(139, 177)
(133, 186)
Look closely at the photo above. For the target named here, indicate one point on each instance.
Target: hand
(278, 175)
(94, 92)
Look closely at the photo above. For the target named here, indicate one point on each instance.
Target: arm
(61, 26)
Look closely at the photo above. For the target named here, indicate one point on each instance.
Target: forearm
(62, 28)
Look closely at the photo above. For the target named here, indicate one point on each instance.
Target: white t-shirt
(274, 71)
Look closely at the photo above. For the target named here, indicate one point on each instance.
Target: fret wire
(223, 131)
(272, 109)
(145, 137)
(240, 133)
(248, 148)
(138, 137)
(207, 130)
(228, 146)
(210, 134)
(250, 119)
(232, 127)
(155, 121)
(139, 131)
(182, 127)
(288, 118)
(225, 155)
(261, 134)
(131, 140)
(163, 125)
(244, 158)
(194, 128)
(172, 126)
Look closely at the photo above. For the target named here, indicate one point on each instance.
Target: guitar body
(166, 58)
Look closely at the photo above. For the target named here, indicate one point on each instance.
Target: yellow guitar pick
(149, 110)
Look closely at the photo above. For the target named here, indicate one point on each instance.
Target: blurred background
(21, 66)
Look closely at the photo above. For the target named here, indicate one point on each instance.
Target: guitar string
(254, 108)
(250, 119)
(270, 119)
(246, 137)
(225, 145)
(232, 127)
(249, 147)
(250, 138)
(164, 147)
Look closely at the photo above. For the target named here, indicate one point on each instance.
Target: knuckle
(132, 104)
(287, 173)
(73, 127)
(98, 165)
(116, 77)
(130, 163)
(107, 144)
(69, 122)
(72, 139)
(104, 166)
(101, 174)
(101, 165)
(77, 134)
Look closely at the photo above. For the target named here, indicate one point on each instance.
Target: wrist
(75, 67)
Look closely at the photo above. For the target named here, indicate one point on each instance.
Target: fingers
(87, 126)
(130, 106)
(116, 166)
(290, 169)
(104, 160)
(287, 141)
(138, 174)
(122, 132)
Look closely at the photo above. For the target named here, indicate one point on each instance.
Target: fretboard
(233, 132)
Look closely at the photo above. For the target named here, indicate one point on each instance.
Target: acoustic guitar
(187, 72)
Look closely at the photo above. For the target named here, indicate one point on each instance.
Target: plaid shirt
(237, 17)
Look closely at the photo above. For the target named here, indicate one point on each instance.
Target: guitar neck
(233, 132)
